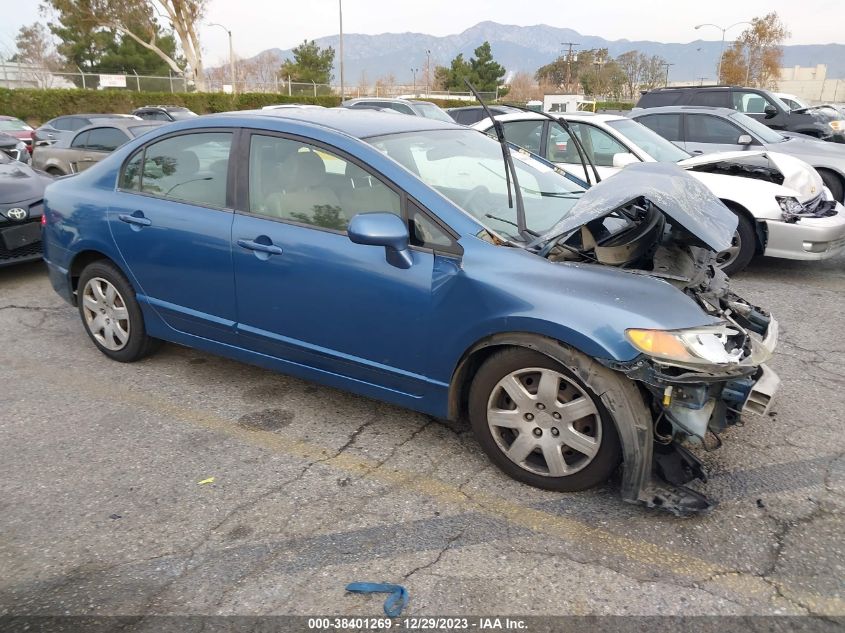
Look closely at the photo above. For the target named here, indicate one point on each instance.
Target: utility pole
(340, 15)
(231, 55)
(666, 66)
(569, 64)
(722, 45)
(415, 71)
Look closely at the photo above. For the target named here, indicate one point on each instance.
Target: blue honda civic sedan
(428, 265)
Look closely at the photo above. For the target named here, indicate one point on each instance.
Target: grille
(25, 252)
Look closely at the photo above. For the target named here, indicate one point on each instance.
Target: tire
(489, 406)
(111, 315)
(743, 247)
(834, 183)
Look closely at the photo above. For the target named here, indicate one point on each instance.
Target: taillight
(43, 219)
(31, 142)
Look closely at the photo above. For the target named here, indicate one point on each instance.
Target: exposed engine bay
(690, 400)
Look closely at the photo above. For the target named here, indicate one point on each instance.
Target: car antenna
(579, 147)
(509, 167)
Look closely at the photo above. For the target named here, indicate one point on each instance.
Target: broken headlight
(837, 126)
(695, 346)
(790, 207)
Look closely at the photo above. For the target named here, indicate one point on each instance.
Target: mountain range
(526, 48)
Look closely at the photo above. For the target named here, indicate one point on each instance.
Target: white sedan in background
(783, 207)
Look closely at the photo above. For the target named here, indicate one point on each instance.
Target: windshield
(649, 141)
(13, 125)
(765, 134)
(431, 111)
(467, 167)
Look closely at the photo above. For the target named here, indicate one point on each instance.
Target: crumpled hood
(797, 175)
(684, 199)
(19, 182)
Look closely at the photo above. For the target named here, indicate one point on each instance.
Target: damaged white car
(782, 206)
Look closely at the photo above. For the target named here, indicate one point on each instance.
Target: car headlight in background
(694, 346)
(837, 126)
(789, 206)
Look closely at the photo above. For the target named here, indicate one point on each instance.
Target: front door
(306, 294)
(172, 225)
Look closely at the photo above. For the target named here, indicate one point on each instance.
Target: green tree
(309, 63)
(482, 70)
(125, 54)
(486, 73)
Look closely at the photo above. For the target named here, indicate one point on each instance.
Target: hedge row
(37, 106)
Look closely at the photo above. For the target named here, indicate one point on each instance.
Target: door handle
(262, 248)
(137, 220)
(697, 151)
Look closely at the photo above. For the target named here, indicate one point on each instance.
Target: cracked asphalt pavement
(101, 512)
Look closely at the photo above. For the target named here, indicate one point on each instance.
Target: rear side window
(65, 124)
(191, 168)
(130, 179)
(704, 128)
(105, 139)
(659, 98)
(715, 98)
(80, 141)
(667, 125)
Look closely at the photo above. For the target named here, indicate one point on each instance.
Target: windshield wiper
(582, 153)
(509, 167)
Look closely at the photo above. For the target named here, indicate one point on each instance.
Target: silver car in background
(702, 130)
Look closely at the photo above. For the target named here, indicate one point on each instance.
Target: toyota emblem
(16, 214)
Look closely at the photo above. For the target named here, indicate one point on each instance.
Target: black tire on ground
(834, 183)
(139, 344)
(494, 369)
(747, 237)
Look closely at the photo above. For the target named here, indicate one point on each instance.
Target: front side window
(599, 145)
(190, 167)
(65, 124)
(295, 181)
(704, 128)
(105, 139)
(750, 102)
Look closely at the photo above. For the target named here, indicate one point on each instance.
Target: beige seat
(304, 195)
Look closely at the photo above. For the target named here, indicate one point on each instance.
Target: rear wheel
(834, 183)
(111, 315)
(742, 249)
(540, 424)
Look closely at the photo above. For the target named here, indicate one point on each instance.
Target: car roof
(161, 107)
(527, 115)
(358, 123)
(122, 124)
(677, 109)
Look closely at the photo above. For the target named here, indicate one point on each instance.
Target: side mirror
(623, 159)
(383, 229)
(770, 111)
(744, 139)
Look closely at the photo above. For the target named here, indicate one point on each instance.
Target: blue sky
(262, 24)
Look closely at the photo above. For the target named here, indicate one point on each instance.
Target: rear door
(172, 224)
(99, 142)
(707, 133)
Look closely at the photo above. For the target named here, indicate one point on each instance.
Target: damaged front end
(660, 222)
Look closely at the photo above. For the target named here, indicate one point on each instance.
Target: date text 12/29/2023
(417, 624)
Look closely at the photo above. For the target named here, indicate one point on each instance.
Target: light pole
(427, 72)
(722, 48)
(340, 17)
(415, 71)
(231, 55)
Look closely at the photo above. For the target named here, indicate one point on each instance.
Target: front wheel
(111, 315)
(540, 424)
(832, 182)
(742, 248)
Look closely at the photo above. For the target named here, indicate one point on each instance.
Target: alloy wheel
(730, 254)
